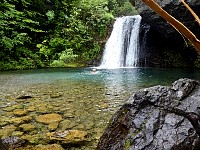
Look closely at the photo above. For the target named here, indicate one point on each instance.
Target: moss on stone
(20, 112)
(127, 144)
(27, 127)
(48, 118)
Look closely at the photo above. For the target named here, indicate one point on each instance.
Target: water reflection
(118, 82)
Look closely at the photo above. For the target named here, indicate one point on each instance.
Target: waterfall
(122, 48)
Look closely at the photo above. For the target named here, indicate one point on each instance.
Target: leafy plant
(42, 33)
(67, 56)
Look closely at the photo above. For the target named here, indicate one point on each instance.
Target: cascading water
(122, 47)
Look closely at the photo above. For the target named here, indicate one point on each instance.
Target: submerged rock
(49, 118)
(20, 120)
(20, 112)
(24, 96)
(7, 130)
(34, 139)
(68, 136)
(49, 147)
(158, 117)
(27, 127)
(66, 124)
(53, 126)
(12, 142)
(56, 95)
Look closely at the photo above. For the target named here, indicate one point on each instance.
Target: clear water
(109, 78)
(92, 98)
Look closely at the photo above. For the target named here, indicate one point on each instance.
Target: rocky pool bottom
(47, 114)
(65, 110)
(70, 114)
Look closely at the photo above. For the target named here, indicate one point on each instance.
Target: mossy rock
(68, 136)
(42, 147)
(66, 124)
(53, 126)
(7, 131)
(27, 127)
(20, 120)
(20, 112)
(49, 118)
(49, 147)
(32, 139)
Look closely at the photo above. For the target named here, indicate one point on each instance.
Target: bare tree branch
(191, 11)
(175, 23)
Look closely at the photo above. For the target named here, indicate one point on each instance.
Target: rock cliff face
(158, 117)
(162, 37)
(176, 9)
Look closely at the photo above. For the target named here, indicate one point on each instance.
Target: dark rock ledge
(160, 44)
(157, 118)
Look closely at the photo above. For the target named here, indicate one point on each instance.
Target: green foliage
(65, 58)
(127, 144)
(57, 63)
(92, 53)
(50, 14)
(123, 8)
(15, 30)
(58, 33)
(127, 9)
(44, 50)
(98, 15)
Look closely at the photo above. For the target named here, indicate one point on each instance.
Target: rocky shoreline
(159, 117)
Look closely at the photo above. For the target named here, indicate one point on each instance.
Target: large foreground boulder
(156, 118)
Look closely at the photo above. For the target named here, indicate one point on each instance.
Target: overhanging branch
(175, 23)
(191, 11)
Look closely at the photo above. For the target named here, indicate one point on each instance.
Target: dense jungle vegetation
(55, 33)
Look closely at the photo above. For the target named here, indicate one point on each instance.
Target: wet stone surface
(158, 117)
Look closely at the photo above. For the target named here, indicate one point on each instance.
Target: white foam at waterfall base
(122, 48)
